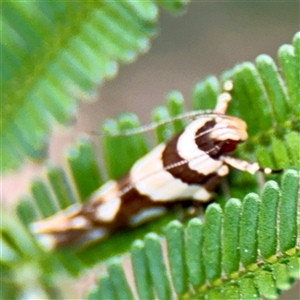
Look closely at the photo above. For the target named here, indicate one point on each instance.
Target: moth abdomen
(65, 228)
(109, 209)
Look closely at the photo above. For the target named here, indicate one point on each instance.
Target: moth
(188, 167)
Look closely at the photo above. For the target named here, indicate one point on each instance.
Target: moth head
(221, 134)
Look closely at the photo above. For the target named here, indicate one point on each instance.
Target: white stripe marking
(187, 148)
(95, 234)
(202, 195)
(171, 190)
(79, 222)
(204, 164)
(106, 192)
(186, 145)
(107, 210)
(229, 128)
(146, 215)
(60, 222)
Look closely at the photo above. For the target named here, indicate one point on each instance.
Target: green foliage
(53, 52)
(218, 273)
(198, 252)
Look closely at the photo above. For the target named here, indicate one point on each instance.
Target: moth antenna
(204, 132)
(222, 103)
(152, 126)
(211, 129)
(177, 164)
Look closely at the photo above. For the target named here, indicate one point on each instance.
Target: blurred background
(209, 38)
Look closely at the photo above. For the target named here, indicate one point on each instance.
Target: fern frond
(55, 53)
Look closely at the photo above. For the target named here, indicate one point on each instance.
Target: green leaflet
(230, 249)
(175, 244)
(141, 270)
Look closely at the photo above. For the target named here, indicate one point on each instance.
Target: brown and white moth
(188, 167)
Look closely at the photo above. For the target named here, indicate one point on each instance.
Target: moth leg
(198, 209)
(224, 98)
(243, 165)
(193, 209)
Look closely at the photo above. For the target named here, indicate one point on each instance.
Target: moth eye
(229, 146)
